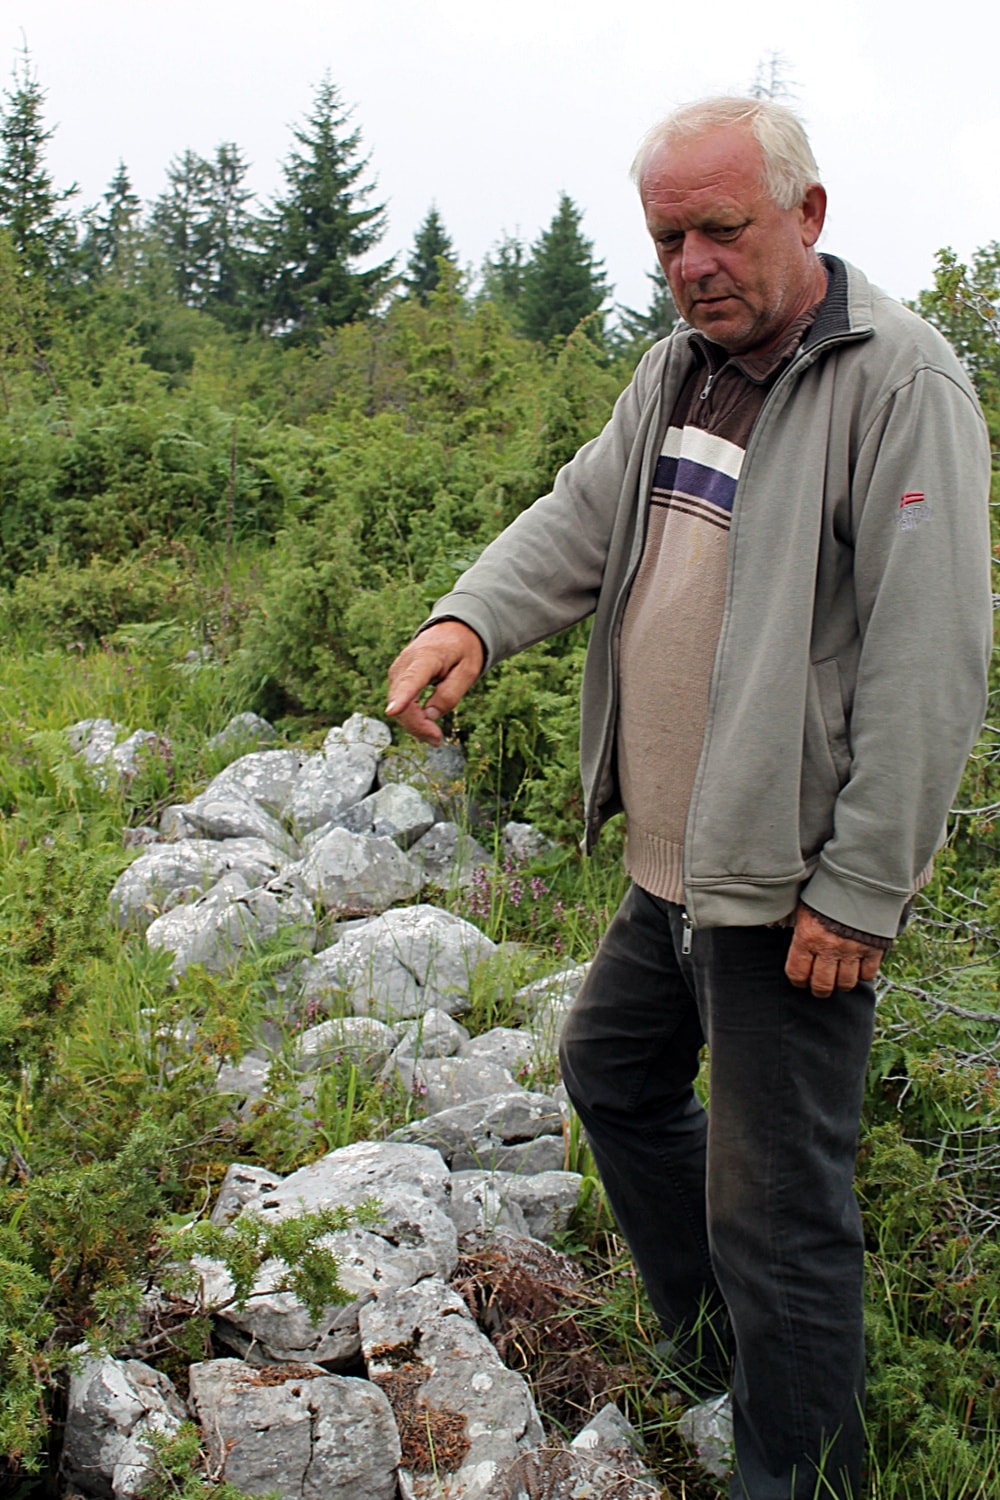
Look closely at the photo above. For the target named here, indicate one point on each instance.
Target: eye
(670, 240)
(726, 232)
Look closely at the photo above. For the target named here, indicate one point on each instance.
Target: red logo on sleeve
(913, 509)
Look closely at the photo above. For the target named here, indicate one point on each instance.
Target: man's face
(740, 270)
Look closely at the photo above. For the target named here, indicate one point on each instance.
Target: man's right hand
(450, 655)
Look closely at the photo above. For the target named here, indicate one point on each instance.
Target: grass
(110, 1125)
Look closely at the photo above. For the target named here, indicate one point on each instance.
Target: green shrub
(84, 604)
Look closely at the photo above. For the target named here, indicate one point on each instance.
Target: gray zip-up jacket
(850, 677)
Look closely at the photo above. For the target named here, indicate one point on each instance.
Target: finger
(452, 687)
(870, 964)
(798, 966)
(410, 673)
(823, 980)
(420, 722)
(449, 654)
(847, 974)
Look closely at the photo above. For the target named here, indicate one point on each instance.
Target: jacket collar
(846, 310)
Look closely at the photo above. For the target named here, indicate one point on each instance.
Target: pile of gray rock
(283, 1413)
(394, 1394)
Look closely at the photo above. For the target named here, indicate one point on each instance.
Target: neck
(813, 291)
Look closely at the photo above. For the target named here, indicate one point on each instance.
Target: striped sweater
(671, 625)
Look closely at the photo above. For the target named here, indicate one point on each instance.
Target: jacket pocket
(831, 701)
(826, 756)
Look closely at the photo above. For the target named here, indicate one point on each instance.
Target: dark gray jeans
(747, 1211)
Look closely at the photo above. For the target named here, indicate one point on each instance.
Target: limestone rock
(441, 1082)
(444, 1378)
(479, 1206)
(246, 1081)
(522, 842)
(94, 739)
(448, 857)
(545, 1004)
(114, 1407)
(242, 1187)
(708, 1427)
(268, 776)
(216, 928)
(563, 986)
(170, 874)
(546, 1153)
(433, 1034)
(140, 837)
(229, 812)
(603, 1462)
(538, 1204)
(349, 872)
(493, 1132)
(330, 782)
(127, 758)
(396, 812)
(404, 963)
(359, 730)
(607, 1431)
(244, 729)
(296, 1430)
(438, 771)
(174, 825)
(508, 1045)
(414, 1238)
(361, 1040)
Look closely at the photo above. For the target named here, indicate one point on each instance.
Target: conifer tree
(636, 331)
(322, 225)
(423, 272)
(208, 232)
(180, 221)
(113, 233)
(231, 230)
(502, 275)
(563, 283)
(31, 211)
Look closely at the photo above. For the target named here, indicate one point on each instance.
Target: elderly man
(782, 533)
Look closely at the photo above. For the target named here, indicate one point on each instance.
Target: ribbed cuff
(870, 939)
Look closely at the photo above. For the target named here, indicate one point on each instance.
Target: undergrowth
(114, 1138)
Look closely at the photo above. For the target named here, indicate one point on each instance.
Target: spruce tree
(423, 272)
(636, 331)
(502, 275)
(181, 222)
(231, 229)
(563, 283)
(42, 233)
(208, 232)
(113, 232)
(322, 225)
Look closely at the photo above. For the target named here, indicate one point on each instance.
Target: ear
(813, 213)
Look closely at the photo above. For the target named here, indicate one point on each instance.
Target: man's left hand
(821, 961)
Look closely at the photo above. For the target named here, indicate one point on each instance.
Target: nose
(698, 257)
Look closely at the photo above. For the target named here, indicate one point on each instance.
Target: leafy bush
(84, 604)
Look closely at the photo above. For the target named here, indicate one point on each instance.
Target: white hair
(789, 167)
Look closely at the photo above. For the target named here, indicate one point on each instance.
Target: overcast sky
(490, 110)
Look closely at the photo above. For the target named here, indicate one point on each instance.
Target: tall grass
(110, 1122)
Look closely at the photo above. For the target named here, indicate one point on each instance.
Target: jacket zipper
(802, 362)
(593, 821)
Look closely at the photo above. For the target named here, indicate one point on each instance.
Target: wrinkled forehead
(725, 160)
